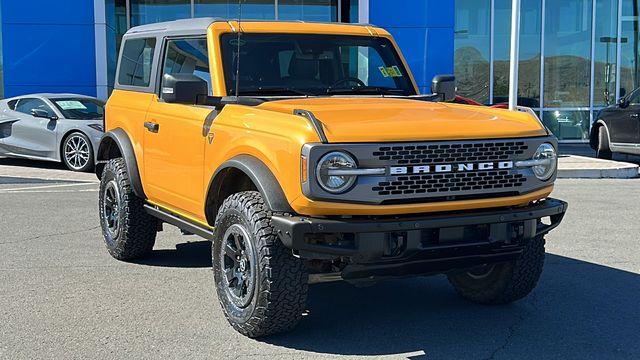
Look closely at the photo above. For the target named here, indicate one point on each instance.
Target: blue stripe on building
(48, 46)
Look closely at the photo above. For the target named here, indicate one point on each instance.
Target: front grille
(443, 183)
(447, 153)
(434, 171)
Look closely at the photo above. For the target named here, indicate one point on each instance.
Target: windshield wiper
(367, 89)
(274, 91)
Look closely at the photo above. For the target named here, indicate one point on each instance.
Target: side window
(26, 105)
(188, 56)
(634, 98)
(136, 62)
(12, 104)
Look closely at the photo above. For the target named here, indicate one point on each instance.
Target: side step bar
(181, 223)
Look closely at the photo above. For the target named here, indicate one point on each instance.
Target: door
(174, 141)
(30, 135)
(625, 121)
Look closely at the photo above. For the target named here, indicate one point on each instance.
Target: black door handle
(153, 127)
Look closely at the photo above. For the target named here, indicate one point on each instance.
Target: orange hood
(392, 119)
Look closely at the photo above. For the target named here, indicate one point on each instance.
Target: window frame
(165, 47)
(151, 88)
(21, 100)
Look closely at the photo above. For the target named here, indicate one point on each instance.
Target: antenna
(238, 40)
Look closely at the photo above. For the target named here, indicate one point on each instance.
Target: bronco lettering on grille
(447, 168)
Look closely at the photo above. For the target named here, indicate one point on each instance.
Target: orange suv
(306, 153)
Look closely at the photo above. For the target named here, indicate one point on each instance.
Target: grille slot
(451, 182)
(450, 152)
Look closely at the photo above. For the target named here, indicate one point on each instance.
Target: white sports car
(52, 127)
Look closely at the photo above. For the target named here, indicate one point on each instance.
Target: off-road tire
(280, 288)
(137, 230)
(603, 151)
(506, 282)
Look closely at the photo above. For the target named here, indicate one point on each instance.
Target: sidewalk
(582, 167)
(578, 161)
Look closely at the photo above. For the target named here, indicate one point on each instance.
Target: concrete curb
(581, 167)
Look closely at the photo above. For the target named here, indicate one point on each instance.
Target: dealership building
(576, 56)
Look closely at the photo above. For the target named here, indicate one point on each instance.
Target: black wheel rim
(238, 265)
(111, 209)
(481, 272)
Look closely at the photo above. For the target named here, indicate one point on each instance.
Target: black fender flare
(119, 138)
(264, 180)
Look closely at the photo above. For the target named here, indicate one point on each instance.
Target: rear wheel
(502, 283)
(77, 152)
(261, 286)
(603, 151)
(129, 232)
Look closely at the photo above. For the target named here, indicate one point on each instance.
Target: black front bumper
(432, 243)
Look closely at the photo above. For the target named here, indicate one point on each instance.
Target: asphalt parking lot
(62, 296)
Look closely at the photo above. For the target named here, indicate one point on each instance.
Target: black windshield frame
(262, 66)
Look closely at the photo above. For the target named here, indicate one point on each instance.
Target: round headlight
(329, 174)
(546, 161)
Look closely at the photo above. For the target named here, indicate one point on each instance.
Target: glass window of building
(136, 61)
(308, 10)
(605, 52)
(630, 47)
(188, 56)
(529, 61)
(567, 53)
(153, 11)
(229, 9)
(472, 48)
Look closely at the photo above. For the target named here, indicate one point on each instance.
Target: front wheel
(261, 286)
(129, 232)
(502, 283)
(77, 152)
(603, 151)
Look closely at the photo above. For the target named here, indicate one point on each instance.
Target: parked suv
(305, 151)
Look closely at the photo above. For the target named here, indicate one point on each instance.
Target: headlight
(546, 162)
(332, 172)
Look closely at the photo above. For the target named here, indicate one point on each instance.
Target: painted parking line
(49, 188)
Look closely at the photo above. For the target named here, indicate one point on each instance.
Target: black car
(617, 128)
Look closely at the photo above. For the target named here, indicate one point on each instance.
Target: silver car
(52, 127)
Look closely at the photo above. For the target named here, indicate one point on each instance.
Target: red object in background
(466, 101)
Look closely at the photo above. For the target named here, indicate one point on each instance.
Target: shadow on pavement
(579, 310)
(187, 255)
(32, 163)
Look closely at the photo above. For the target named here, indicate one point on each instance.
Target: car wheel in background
(77, 152)
(603, 151)
(502, 283)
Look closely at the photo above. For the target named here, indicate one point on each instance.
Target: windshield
(300, 64)
(80, 108)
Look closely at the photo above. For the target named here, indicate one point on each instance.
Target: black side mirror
(40, 113)
(444, 86)
(623, 103)
(183, 88)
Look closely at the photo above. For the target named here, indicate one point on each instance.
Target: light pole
(515, 47)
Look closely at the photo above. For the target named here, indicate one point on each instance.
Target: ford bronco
(306, 153)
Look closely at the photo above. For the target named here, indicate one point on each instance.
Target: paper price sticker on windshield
(391, 71)
(394, 71)
(383, 71)
(71, 105)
